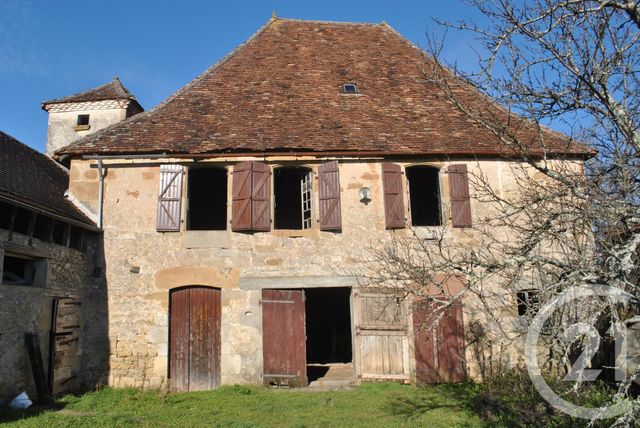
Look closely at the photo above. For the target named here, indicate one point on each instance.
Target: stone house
(48, 265)
(233, 211)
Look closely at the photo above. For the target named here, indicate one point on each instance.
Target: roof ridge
(320, 21)
(117, 84)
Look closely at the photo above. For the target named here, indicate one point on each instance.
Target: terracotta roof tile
(281, 91)
(113, 90)
(32, 178)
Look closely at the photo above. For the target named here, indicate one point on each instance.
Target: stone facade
(143, 265)
(28, 309)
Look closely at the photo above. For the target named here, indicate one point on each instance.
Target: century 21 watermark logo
(579, 371)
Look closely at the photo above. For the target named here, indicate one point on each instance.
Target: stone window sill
(429, 232)
(82, 128)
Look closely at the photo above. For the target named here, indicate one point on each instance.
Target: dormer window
(82, 123)
(350, 88)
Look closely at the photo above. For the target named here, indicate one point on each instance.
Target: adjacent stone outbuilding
(51, 284)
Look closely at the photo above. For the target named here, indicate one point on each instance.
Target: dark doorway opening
(424, 195)
(328, 328)
(207, 199)
(292, 191)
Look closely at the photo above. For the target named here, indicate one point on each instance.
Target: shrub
(510, 398)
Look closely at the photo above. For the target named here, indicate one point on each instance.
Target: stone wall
(27, 309)
(143, 265)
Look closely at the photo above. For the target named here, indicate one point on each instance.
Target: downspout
(100, 191)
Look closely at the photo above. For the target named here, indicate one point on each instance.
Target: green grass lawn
(370, 405)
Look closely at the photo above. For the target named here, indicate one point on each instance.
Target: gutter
(100, 191)
(354, 154)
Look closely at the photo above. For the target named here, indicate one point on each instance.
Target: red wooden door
(284, 337)
(194, 326)
(440, 350)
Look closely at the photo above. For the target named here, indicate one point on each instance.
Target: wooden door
(439, 350)
(194, 328)
(63, 351)
(284, 338)
(382, 343)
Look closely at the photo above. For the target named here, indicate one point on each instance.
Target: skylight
(350, 88)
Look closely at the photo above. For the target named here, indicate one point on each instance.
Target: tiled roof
(281, 91)
(113, 90)
(32, 178)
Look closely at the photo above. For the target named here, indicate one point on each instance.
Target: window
(424, 195)
(292, 194)
(83, 120)
(528, 302)
(59, 232)
(76, 238)
(42, 230)
(19, 270)
(6, 214)
(22, 221)
(207, 199)
(350, 88)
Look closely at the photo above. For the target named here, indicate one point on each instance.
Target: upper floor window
(83, 120)
(255, 187)
(424, 195)
(292, 198)
(207, 199)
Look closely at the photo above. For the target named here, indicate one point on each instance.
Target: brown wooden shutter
(241, 199)
(393, 198)
(251, 206)
(260, 197)
(169, 198)
(329, 195)
(459, 191)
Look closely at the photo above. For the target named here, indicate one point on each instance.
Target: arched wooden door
(194, 338)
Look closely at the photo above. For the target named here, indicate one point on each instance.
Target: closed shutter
(251, 205)
(459, 190)
(169, 198)
(241, 200)
(329, 195)
(393, 199)
(261, 197)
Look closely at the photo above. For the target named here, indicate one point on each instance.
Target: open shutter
(251, 206)
(260, 197)
(459, 190)
(169, 198)
(241, 200)
(393, 198)
(329, 195)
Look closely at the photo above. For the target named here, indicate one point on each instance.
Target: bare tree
(564, 223)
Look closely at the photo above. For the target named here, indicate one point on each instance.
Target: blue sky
(50, 49)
